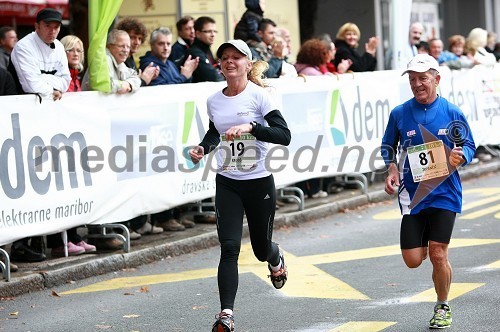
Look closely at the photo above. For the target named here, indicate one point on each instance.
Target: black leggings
(257, 199)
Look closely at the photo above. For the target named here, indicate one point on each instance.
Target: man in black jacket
(208, 68)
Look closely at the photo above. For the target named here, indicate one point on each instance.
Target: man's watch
(254, 125)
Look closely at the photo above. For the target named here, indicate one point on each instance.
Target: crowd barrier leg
(359, 179)
(5, 266)
(64, 236)
(104, 234)
(299, 198)
(491, 151)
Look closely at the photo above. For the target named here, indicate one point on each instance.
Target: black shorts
(429, 224)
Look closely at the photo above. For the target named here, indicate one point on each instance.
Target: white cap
(422, 63)
(240, 46)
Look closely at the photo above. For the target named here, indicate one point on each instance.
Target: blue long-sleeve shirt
(412, 124)
(169, 73)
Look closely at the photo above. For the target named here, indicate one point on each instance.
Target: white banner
(92, 158)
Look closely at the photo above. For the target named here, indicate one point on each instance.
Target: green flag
(101, 16)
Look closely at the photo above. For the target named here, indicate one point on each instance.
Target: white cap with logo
(422, 63)
(240, 46)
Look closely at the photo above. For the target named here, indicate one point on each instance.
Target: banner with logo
(94, 158)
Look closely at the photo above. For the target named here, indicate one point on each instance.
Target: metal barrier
(299, 198)
(360, 180)
(103, 234)
(5, 265)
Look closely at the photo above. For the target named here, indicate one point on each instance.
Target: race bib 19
(240, 154)
(427, 161)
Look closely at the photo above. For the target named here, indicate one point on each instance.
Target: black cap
(48, 15)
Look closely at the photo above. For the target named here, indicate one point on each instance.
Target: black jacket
(207, 70)
(247, 27)
(365, 62)
(7, 84)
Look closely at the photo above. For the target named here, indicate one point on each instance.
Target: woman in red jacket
(74, 51)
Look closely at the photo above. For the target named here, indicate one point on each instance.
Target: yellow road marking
(480, 202)
(391, 214)
(481, 213)
(130, 282)
(307, 281)
(394, 214)
(384, 251)
(363, 327)
(459, 243)
(487, 191)
(456, 290)
(494, 265)
(497, 216)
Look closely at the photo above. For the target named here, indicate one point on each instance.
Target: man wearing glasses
(208, 69)
(123, 79)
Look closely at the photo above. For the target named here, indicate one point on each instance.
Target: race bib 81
(427, 161)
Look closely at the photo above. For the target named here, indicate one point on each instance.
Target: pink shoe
(73, 250)
(86, 246)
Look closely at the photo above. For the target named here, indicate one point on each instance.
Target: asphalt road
(345, 274)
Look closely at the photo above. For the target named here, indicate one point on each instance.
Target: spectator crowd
(41, 64)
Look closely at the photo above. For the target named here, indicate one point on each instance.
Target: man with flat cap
(39, 65)
(38, 61)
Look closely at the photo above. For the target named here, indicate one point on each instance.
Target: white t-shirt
(252, 104)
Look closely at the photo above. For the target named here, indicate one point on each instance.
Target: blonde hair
(70, 42)
(477, 38)
(256, 73)
(349, 26)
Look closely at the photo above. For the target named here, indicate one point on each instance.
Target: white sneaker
(320, 194)
(484, 157)
(134, 235)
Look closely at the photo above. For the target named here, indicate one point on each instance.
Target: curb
(42, 280)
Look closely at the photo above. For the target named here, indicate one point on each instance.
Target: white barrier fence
(92, 158)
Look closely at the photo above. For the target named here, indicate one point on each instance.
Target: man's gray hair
(154, 35)
(113, 35)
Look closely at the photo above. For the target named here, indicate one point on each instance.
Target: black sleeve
(277, 132)
(7, 84)
(211, 139)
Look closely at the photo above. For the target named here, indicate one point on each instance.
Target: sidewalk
(150, 248)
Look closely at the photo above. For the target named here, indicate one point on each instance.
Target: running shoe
(441, 318)
(224, 323)
(278, 279)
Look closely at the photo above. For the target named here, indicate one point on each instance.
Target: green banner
(101, 15)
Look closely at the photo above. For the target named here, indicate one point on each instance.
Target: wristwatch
(254, 125)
